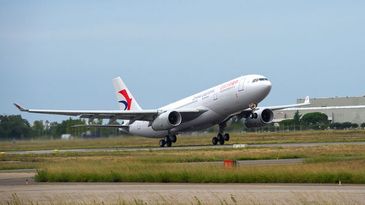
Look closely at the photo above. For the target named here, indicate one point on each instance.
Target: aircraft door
(241, 86)
(215, 94)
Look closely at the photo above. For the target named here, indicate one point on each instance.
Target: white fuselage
(221, 102)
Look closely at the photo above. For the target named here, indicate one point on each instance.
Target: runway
(191, 147)
(147, 193)
(20, 186)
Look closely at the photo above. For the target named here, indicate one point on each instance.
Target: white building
(354, 115)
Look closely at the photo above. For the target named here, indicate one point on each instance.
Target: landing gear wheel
(254, 115)
(162, 143)
(168, 141)
(220, 139)
(214, 140)
(226, 137)
(220, 136)
(173, 138)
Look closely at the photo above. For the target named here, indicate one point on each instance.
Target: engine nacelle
(167, 120)
(261, 118)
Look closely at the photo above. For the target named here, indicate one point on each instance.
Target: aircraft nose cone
(266, 86)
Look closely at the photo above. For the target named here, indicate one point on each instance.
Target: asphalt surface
(19, 186)
(193, 147)
(147, 193)
(17, 177)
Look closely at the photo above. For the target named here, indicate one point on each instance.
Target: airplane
(215, 106)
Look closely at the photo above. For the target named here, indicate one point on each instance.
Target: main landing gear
(221, 136)
(168, 140)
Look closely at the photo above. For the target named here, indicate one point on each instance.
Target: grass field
(323, 164)
(349, 171)
(201, 139)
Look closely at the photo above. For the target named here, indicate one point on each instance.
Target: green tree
(297, 117)
(354, 125)
(38, 128)
(102, 131)
(336, 126)
(315, 120)
(346, 125)
(291, 124)
(67, 126)
(14, 127)
(287, 124)
(362, 125)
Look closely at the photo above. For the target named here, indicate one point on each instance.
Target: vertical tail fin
(124, 96)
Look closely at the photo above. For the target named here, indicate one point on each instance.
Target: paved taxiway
(191, 147)
(19, 186)
(185, 193)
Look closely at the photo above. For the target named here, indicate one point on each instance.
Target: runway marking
(255, 162)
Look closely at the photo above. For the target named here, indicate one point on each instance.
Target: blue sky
(63, 54)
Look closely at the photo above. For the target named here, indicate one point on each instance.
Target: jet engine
(167, 120)
(259, 118)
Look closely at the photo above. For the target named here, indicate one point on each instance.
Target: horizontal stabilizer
(102, 126)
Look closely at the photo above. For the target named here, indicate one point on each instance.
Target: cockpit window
(259, 79)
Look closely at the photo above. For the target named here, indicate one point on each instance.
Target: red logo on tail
(128, 101)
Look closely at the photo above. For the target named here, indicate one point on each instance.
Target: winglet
(306, 101)
(20, 108)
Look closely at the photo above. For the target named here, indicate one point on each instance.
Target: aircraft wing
(281, 107)
(307, 102)
(328, 107)
(247, 111)
(133, 115)
(102, 126)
